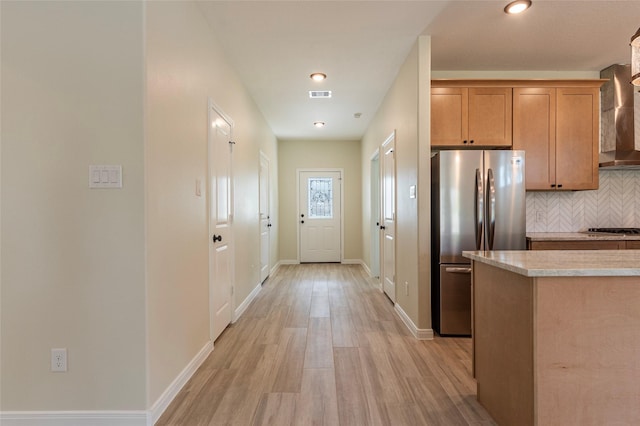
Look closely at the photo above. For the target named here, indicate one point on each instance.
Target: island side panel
(588, 350)
(503, 344)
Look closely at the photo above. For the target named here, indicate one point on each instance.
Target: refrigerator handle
(479, 209)
(491, 209)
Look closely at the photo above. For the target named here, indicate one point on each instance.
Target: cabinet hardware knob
(217, 238)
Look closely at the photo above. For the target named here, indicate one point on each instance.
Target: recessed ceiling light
(318, 123)
(517, 6)
(318, 76)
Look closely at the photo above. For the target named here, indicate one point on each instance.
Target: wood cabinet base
(557, 350)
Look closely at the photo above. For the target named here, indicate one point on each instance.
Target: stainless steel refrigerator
(477, 203)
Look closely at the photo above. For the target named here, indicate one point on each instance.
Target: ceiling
(275, 45)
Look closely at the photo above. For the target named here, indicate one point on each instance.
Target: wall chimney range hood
(619, 146)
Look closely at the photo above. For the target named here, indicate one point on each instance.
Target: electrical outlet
(539, 216)
(59, 359)
(406, 288)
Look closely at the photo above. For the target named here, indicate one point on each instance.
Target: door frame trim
(212, 106)
(330, 169)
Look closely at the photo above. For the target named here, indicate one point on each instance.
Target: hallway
(320, 345)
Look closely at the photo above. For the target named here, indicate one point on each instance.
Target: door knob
(302, 215)
(383, 227)
(217, 238)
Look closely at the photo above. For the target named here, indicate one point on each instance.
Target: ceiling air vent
(315, 94)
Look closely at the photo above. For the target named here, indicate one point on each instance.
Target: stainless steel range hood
(619, 146)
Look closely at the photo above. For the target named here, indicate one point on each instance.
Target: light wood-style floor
(320, 345)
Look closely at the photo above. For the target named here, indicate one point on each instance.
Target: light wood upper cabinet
(449, 115)
(474, 116)
(534, 131)
(558, 128)
(577, 137)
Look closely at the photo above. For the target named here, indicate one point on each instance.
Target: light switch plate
(412, 191)
(105, 176)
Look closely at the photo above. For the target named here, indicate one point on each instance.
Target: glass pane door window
(320, 198)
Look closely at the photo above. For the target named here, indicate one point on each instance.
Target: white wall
(404, 110)
(185, 66)
(119, 277)
(72, 257)
(294, 155)
(497, 74)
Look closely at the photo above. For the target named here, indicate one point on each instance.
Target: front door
(220, 235)
(388, 225)
(265, 217)
(320, 216)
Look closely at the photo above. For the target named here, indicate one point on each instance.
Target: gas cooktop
(622, 231)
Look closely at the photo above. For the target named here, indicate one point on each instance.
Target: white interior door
(220, 220)
(265, 217)
(388, 226)
(320, 216)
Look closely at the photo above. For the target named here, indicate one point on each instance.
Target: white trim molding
(170, 393)
(418, 333)
(75, 418)
(245, 304)
(274, 269)
(289, 262)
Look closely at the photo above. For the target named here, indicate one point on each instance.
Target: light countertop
(579, 236)
(562, 263)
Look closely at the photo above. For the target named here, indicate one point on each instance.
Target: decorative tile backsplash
(615, 204)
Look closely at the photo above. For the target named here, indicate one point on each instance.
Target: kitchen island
(556, 336)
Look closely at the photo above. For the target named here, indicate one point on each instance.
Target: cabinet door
(490, 116)
(577, 133)
(449, 116)
(534, 131)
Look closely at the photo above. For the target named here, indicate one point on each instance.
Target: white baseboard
(245, 304)
(289, 262)
(418, 333)
(170, 393)
(75, 418)
(366, 268)
(274, 269)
